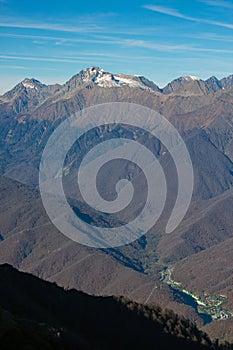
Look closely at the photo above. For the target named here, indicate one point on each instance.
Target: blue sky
(162, 40)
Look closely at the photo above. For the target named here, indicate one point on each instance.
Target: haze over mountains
(199, 251)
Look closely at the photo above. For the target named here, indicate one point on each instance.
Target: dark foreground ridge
(36, 314)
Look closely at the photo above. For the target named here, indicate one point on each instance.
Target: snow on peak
(191, 78)
(102, 78)
(128, 80)
(29, 84)
(105, 79)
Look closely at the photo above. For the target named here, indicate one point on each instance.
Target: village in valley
(211, 305)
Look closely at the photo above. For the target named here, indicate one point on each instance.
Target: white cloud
(9, 22)
(13, 67)
(177, 14)
(55, 38)
(211, 36)
(42, 59)
(94, 24)
(166, 11)
(109, 40)
(219, 3)
(171, 48)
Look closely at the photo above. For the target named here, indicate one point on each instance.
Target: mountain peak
(98, 76)
(213, 83)
(186, 86)
(227, 82)
(29, 86)
(31, 83)
(212, 78)
(190, 78)
(93, 69)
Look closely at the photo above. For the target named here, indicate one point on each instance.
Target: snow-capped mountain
(27, 94)
(25, 86)
(190, 78)
(32, 84)
(91, 77)
(31, 93)
(97, 76)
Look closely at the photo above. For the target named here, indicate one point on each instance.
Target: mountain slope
(74, 320)
(31, 243)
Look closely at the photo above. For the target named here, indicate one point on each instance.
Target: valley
(211, 305)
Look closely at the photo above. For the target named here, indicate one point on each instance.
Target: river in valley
(189, 300)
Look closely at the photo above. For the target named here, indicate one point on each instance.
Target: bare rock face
(227, 82)
(186, 86)
(214, 84)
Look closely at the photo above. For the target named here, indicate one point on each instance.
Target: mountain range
(93, 76)
(199, 250)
